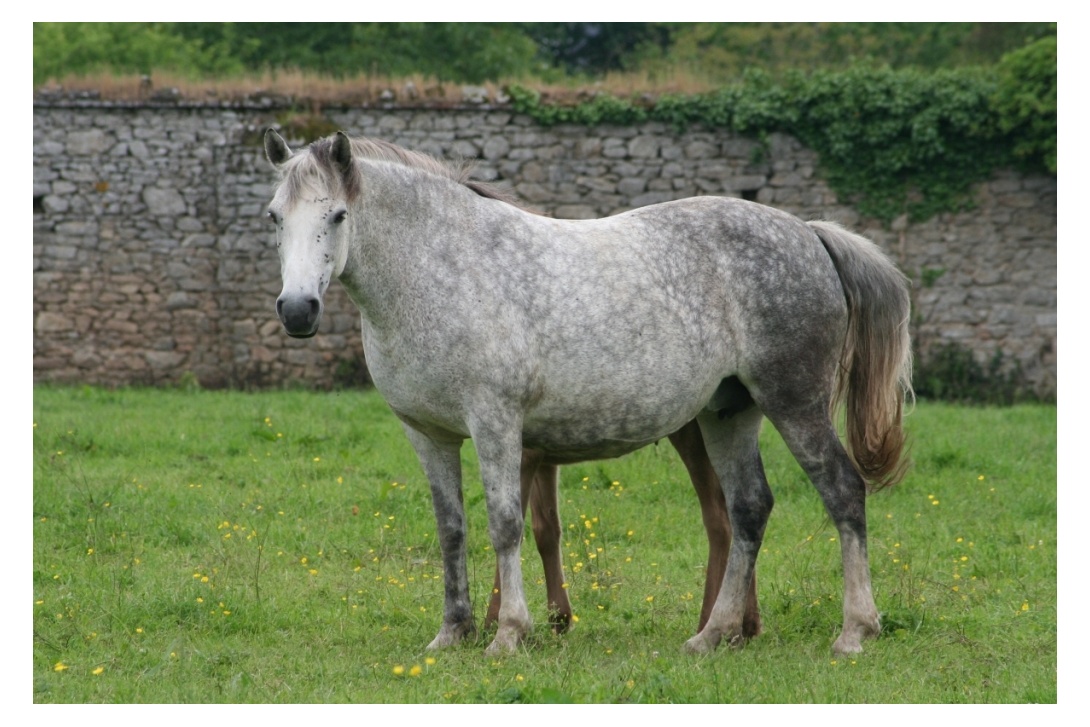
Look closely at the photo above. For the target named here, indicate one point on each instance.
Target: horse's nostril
(299, 314)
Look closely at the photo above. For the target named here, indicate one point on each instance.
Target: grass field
(280, 547)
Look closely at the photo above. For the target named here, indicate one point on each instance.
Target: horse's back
(707, 277)
(649, 311)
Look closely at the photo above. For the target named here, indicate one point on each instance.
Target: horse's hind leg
(732, 447)
(813, 441)
(545, 521)
(713, 507)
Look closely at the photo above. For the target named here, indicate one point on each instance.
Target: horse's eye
(340, 216)
(273, 216)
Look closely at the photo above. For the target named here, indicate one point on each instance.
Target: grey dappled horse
(590, 339)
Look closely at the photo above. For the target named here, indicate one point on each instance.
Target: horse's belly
(572, 406)
(603, 449)
(575, 433)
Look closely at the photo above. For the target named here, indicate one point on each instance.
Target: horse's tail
(875, 375)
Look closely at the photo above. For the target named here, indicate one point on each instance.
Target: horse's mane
(303, 171)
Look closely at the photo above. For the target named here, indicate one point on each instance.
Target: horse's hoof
(848, 644)
(752, 628)
(701, 644)
(451, 634)
(737, 641)
(506, 642)
(843, 646)
(851, 642)
(560, 622)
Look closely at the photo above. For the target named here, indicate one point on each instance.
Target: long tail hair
(875, 375)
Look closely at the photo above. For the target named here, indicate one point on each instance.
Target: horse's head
(311, 212)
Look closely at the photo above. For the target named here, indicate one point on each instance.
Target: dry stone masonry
(154, 264)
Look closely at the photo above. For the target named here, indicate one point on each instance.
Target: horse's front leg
(498, 440)
(443, 467)
(529, 479)
(539, 492)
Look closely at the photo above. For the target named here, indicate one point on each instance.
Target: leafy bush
(1025, 100)
(900, 141)
(952, 373)
(892, 142)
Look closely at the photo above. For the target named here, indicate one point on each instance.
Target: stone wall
(153, 262)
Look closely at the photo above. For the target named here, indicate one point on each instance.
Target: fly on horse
(590, 339)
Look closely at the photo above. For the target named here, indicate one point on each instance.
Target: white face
(310, 237)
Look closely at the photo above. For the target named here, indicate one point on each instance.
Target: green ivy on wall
(892, 142)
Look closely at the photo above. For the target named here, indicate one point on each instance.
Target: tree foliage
(594, 48)
(723, 51)
(476, 52)
(460, 52)
(61, 49)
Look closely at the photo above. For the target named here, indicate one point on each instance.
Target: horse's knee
(546, 527)
(505, 536)
(844, 494)
(544, 512)
(749, 512)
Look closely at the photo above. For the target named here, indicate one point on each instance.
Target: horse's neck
(403, 221)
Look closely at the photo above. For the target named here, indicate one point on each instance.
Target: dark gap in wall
(38, 203)
(749, 195)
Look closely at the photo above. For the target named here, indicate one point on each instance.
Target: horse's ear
(342, 152)
(276, 149)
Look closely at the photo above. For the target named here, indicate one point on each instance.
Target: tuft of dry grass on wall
(292, 84)
(300, 86)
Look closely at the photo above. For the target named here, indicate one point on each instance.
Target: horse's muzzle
(300, 316)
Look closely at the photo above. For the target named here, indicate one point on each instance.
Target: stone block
(164, 360)
(649, 198)
(644, 147)
(53, 322)
(496, 147)
(88, 142)
(164, 201)
(575, 212)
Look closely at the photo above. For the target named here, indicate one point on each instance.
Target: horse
(539, 488)
(590, 339)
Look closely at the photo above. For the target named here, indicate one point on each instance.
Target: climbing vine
(893, 142)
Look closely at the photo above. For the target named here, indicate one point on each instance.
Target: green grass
(280, 547)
